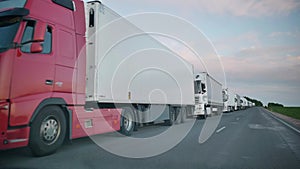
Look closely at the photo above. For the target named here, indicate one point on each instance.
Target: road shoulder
(294, 122)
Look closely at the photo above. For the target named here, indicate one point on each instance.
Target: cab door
(33, 71)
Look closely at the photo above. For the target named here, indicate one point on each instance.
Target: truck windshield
(203, 87)
(197, 87)
(6, 4)
(9, 23)
(8, 29)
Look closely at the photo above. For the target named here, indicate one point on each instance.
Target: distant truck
(244, 103)
(237, 102)
(250, 104)
(208, 96)
(229, 100)
(52, 91)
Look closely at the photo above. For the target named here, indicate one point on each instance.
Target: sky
(258, 41)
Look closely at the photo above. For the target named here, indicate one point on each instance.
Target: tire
(48, 131)
(136, 126)
(200, 117)
(127, 122)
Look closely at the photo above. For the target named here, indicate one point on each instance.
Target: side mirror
(39, 32)
(36, 47)
(38, 37)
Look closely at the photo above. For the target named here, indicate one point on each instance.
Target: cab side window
(27, 38)
(47, 45)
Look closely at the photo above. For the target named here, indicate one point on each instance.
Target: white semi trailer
(130, 70)
(208, 96)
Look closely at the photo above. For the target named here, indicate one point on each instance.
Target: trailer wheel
(48, 131)
(127, 122)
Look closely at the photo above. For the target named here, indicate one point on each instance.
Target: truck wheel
(127, 122)
(135, 126)
(199, 117)
(48, 131)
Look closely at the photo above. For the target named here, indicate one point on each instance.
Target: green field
(288, 111)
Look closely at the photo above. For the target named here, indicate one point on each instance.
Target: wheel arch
(61, 103)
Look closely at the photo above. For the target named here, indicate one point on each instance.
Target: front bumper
(11, 137)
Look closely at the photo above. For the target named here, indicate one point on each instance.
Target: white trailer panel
(126, 65)
(214, 91)
(231, 98)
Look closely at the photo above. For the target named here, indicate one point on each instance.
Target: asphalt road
(249, 138)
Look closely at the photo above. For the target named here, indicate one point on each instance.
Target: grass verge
(293, 112)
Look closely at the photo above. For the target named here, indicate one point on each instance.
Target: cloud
(233, 44)
(288, 35)
(232, 7)
(253, 43)
(280, 34)
(266, 64)
(266, 73)
(272, 52)
(251, 7)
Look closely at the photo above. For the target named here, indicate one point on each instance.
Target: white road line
(219, 130)
(283, 122)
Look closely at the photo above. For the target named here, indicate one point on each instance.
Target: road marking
(219, 130)
(288, 125)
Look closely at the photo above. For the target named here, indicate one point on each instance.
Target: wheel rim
(128, 122)
(50, 130)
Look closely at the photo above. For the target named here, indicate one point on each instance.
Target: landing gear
(172, 117)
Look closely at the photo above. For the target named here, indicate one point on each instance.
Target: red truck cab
(42, 77)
